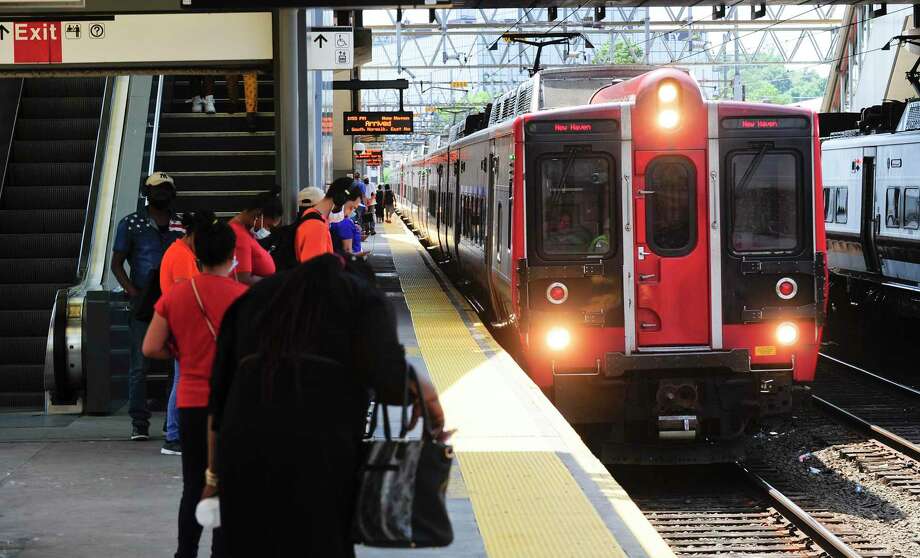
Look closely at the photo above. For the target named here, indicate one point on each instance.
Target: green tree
(775, 83)
(471, 102)
(623, 53)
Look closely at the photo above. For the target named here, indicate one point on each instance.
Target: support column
(287, 107)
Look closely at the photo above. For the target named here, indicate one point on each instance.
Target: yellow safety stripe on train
(526, 502)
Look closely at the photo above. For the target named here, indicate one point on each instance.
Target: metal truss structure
(448, 54)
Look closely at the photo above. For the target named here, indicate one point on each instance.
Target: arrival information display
(360, 123)
(371, 157)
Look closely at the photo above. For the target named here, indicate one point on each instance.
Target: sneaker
(251, 122)
(140, 434)
(171, 448)
(197, 104)
(209, 104)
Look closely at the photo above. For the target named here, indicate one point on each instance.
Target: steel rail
(907, 390)
(884, 436)
(828, 541)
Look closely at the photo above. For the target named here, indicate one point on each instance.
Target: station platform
(523, 485)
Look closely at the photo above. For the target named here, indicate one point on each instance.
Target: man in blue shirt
(141, 239)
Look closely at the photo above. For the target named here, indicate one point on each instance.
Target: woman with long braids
(289, 400)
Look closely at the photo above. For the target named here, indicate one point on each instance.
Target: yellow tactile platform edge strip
(526, 503)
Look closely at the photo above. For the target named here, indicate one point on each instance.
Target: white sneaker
(209, 104)
(197, 104)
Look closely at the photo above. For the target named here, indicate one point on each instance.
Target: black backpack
(284, 249)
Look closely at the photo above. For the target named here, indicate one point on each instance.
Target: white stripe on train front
(629, 287)
(715, 231)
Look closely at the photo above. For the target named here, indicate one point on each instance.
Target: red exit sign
(34, 42)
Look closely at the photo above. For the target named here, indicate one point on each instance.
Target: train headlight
(667, 92)
(558, 338)
(787, 333)
(668, 118)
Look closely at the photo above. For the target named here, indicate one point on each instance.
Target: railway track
(742, 514)
(884, 410)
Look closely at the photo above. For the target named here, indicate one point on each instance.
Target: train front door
(671, 250)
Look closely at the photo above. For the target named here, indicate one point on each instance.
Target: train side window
(576, 214)
(829, 203)
(840, 215)
(765, 201)
(912, 208)
(509, 219)
(892, 208)
(670, 210)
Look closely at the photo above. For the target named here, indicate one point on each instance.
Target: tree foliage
(622, 54)
(777, 84)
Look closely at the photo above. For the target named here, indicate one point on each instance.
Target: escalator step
(59, 245)
(25, 323)
(53, 151)
(39, 296)
(56, 128)
(41, 221)
(22, 350)
(22, 378)
(63, 87)
(35, 270)
(45, 197)
(60, 107)
(49, 174)
(29, 400)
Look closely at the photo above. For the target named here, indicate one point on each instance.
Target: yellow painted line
(526, 502)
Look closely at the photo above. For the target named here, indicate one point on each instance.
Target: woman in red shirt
(254, 223)
(185, 323)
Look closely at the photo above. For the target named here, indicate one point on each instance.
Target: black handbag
(402, 486)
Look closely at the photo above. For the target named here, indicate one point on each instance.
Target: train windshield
(576, 216)
(765, 205)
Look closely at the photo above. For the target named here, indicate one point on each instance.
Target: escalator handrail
(9, 144)
(155, 133)
(98, 160)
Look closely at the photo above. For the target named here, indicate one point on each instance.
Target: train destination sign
(397, 122)
(769, 123)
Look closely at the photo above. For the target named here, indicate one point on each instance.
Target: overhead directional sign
(181, 39)
(355, 123)
(330, 48)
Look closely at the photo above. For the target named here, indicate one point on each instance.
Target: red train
(660, 257)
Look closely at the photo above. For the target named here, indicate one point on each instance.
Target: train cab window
(670, 207)
(829, 204)
(575, 204)
(892, 208)
(765, 201)
(912, 208)
(840, 214)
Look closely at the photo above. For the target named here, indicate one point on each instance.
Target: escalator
(47, 192)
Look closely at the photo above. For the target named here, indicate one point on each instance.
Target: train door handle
(646, 276)
(647, 325)
(645, 192)
(642, 253)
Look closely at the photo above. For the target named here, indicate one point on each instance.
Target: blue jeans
(137, 375)
(172, 413)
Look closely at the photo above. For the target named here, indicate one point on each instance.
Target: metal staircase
(216, 161)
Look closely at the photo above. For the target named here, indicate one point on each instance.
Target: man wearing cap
(313, 237)
(141, 239)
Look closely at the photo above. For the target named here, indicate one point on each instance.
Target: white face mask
(259, 234)
(337, 217)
